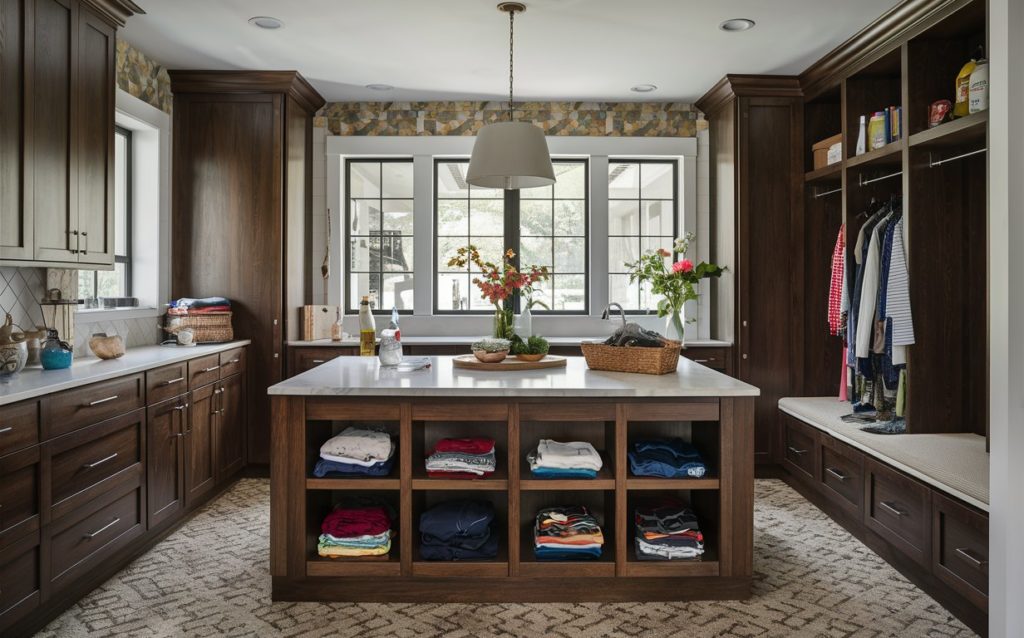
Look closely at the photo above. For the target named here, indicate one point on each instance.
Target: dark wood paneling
(165, 460)
(306, 358)
(15, 176)
(19, 579)
(298, 215)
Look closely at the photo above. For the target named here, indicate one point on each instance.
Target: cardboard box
(820, 150)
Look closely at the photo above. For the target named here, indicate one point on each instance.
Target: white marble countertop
(33, 382)
(465, 341)
(363, 376)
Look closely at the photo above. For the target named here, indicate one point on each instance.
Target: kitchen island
(712, 411)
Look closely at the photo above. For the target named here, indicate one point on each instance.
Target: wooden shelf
(674, 568)
(825, 175)
(368, 483)
(887, 156)
(605, 481)
(654, 483)
(965, 131)
(530, 567)
(495, 482)
(389, 565)
(496, 568)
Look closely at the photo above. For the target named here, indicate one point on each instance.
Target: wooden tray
(510, 363)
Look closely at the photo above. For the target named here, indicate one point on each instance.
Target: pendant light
(510, 155)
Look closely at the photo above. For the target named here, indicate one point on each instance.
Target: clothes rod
(865, 182)
(834, 190)
(933, 164)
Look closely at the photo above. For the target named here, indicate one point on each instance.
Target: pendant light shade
(510, 155)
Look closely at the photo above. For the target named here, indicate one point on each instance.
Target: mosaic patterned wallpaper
(143, 77)
(617, 119)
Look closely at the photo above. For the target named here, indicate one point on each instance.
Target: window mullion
(511, 233)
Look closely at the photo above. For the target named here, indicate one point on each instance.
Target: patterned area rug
(210, 578)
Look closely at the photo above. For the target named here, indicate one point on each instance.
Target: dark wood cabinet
(20, 478)
(960, 548)
(68, 411)
(166, 424)
(20, 566)
(15, 185)
(230, 426)
(200, 462)
(242, 180)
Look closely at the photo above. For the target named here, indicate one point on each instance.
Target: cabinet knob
(744, 356)
(744, 323)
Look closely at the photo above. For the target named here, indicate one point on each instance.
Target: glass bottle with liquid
(367, 330)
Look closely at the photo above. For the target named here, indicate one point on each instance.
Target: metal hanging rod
(864, 182)
(933, 164)
(834, 190)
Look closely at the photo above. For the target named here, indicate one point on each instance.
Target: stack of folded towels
(459, 530)
(573, 460)
(467, 458)
(361, 528)
(665, 458)
(667, 530)
(209, 305)
(356, 452)
(567, 533)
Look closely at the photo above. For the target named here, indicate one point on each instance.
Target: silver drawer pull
(181, 407)
(100, 462)
(892, 508)
(6, 429)
(700, 360)
(175, 436)
(99, 401)
(839, 475)
(968, 554)
(103, 529)
(173, 381)
(319, 361)
(233, 361)
(218, 390)
(796, 451)
(211, 368)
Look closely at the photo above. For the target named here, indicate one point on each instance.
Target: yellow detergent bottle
(962, 104)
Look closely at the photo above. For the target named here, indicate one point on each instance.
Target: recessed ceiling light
(737, 24)
(379, 87)
(643, 88)
(266, 22)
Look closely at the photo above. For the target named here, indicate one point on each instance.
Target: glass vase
(503, 321)
(524, 324)
(674, 327)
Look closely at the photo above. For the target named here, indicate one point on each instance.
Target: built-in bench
(919, 500)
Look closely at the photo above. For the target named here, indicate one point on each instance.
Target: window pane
(397, 180)
(656, 180)
(86, 284)
(654, 243)
(570, 182)
(535, 251)
(487, 217)
(111, 283)
(397, 292)
(539, 192)
(451, 180)
(623, 181)
(446, 248)
(543, 293)
(570, 255)
(364, 217)
(396, 253)
(623, 218)
(569, 292)
(361, 284)
(476, 192)
(364, 179)
(535, 217)
(570, 217)
(453, 291)
(657, 217)
(491, 249)
(452, 217)
(623, 292)
(398, 216)
(622, 250)
(121, 175)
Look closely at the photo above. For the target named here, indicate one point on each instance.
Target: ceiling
(589, 50)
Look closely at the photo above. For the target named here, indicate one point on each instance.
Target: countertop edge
(459, 341)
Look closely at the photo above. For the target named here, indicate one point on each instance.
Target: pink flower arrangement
(684, 265)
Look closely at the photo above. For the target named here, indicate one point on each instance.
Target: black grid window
(379, 233)
(94, 284)
(642, 216)
(545, 227)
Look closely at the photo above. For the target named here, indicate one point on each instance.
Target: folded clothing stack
(361, 527)
(208, 305)
(665, 458)
(567, 533)
(459, 530)
(356, 452)
(573, 460)
(667, 530)
(467, 458)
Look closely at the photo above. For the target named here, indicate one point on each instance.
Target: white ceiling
(458, 49)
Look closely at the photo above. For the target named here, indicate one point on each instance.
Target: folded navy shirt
(326, 468)
(665, 458)
(458, 530)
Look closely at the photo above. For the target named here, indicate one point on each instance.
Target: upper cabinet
(57, 61)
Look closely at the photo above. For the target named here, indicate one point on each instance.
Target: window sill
(95, 315)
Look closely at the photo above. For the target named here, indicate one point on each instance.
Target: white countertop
(34, 382)
(465, 341)
(363, 376)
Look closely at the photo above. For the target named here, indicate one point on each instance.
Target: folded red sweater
(470, 445)
(363, 521)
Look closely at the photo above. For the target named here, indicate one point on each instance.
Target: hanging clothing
(835, 293)
(869, 291)
(897, 305)
(859, 256)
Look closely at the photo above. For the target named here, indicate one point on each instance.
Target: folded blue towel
(665, 458)
(324, 468)
(563, 473)
(567, 553)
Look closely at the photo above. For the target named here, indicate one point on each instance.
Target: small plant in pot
(534, 348)
(491, 350)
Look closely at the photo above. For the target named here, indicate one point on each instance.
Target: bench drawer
(898, 509)
(19, 494)
(961, 548)
(842, 475)
(68, 411)
(800, 447)
(309, 358)
(19, 426)
(166, 382)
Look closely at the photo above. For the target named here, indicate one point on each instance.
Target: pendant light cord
(511, 44)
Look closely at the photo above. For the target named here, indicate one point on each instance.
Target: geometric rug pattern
(211, 578)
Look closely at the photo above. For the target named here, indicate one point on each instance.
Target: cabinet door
(54, 191)
(165, 460)
(230, 426)
(15, 181)
(200, 464)
(94, 131)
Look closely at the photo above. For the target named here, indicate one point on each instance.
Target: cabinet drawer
(102, 457)
(897, 509)
(68, 411)
(232, 362)
(960, 550)
(710, 357)
(309, 358)
(166, 382)
(203, 370)
(19, 426)
(19, 494)
(799, 442)
(842, 474)
(85, 540)
(19, 580)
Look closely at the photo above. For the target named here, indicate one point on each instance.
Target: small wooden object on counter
(509, 364)
(637, 360)
(106, 347)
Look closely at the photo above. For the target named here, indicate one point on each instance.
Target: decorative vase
(503, 323)
(524, 324)
(674, 328)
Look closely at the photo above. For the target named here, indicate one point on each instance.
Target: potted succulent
(533, 348)
(491, 350)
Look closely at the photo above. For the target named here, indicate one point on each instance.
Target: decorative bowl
(13, 357)
(531, 357)
(56, 359)
(490, 357)
(106, 347)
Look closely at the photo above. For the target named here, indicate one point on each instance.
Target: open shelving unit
(940, 173)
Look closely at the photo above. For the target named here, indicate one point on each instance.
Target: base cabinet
(200, 468)
(229, 426)
(165, 459)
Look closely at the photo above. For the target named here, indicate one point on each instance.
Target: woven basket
(636, 360)
(210, 327)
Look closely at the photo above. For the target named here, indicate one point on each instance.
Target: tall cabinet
(242, 201)
(754, 124)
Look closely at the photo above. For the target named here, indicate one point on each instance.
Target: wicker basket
(637, 360)
(208, 327)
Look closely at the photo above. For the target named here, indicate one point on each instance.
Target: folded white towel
(358, 444)
(572, 455)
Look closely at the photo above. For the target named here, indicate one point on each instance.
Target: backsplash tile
(144, 331)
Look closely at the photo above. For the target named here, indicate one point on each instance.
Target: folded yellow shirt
(330, 551)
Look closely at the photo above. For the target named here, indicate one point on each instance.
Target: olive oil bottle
(367, 331)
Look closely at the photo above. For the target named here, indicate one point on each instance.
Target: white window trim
(423, 150)
(151, 205)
